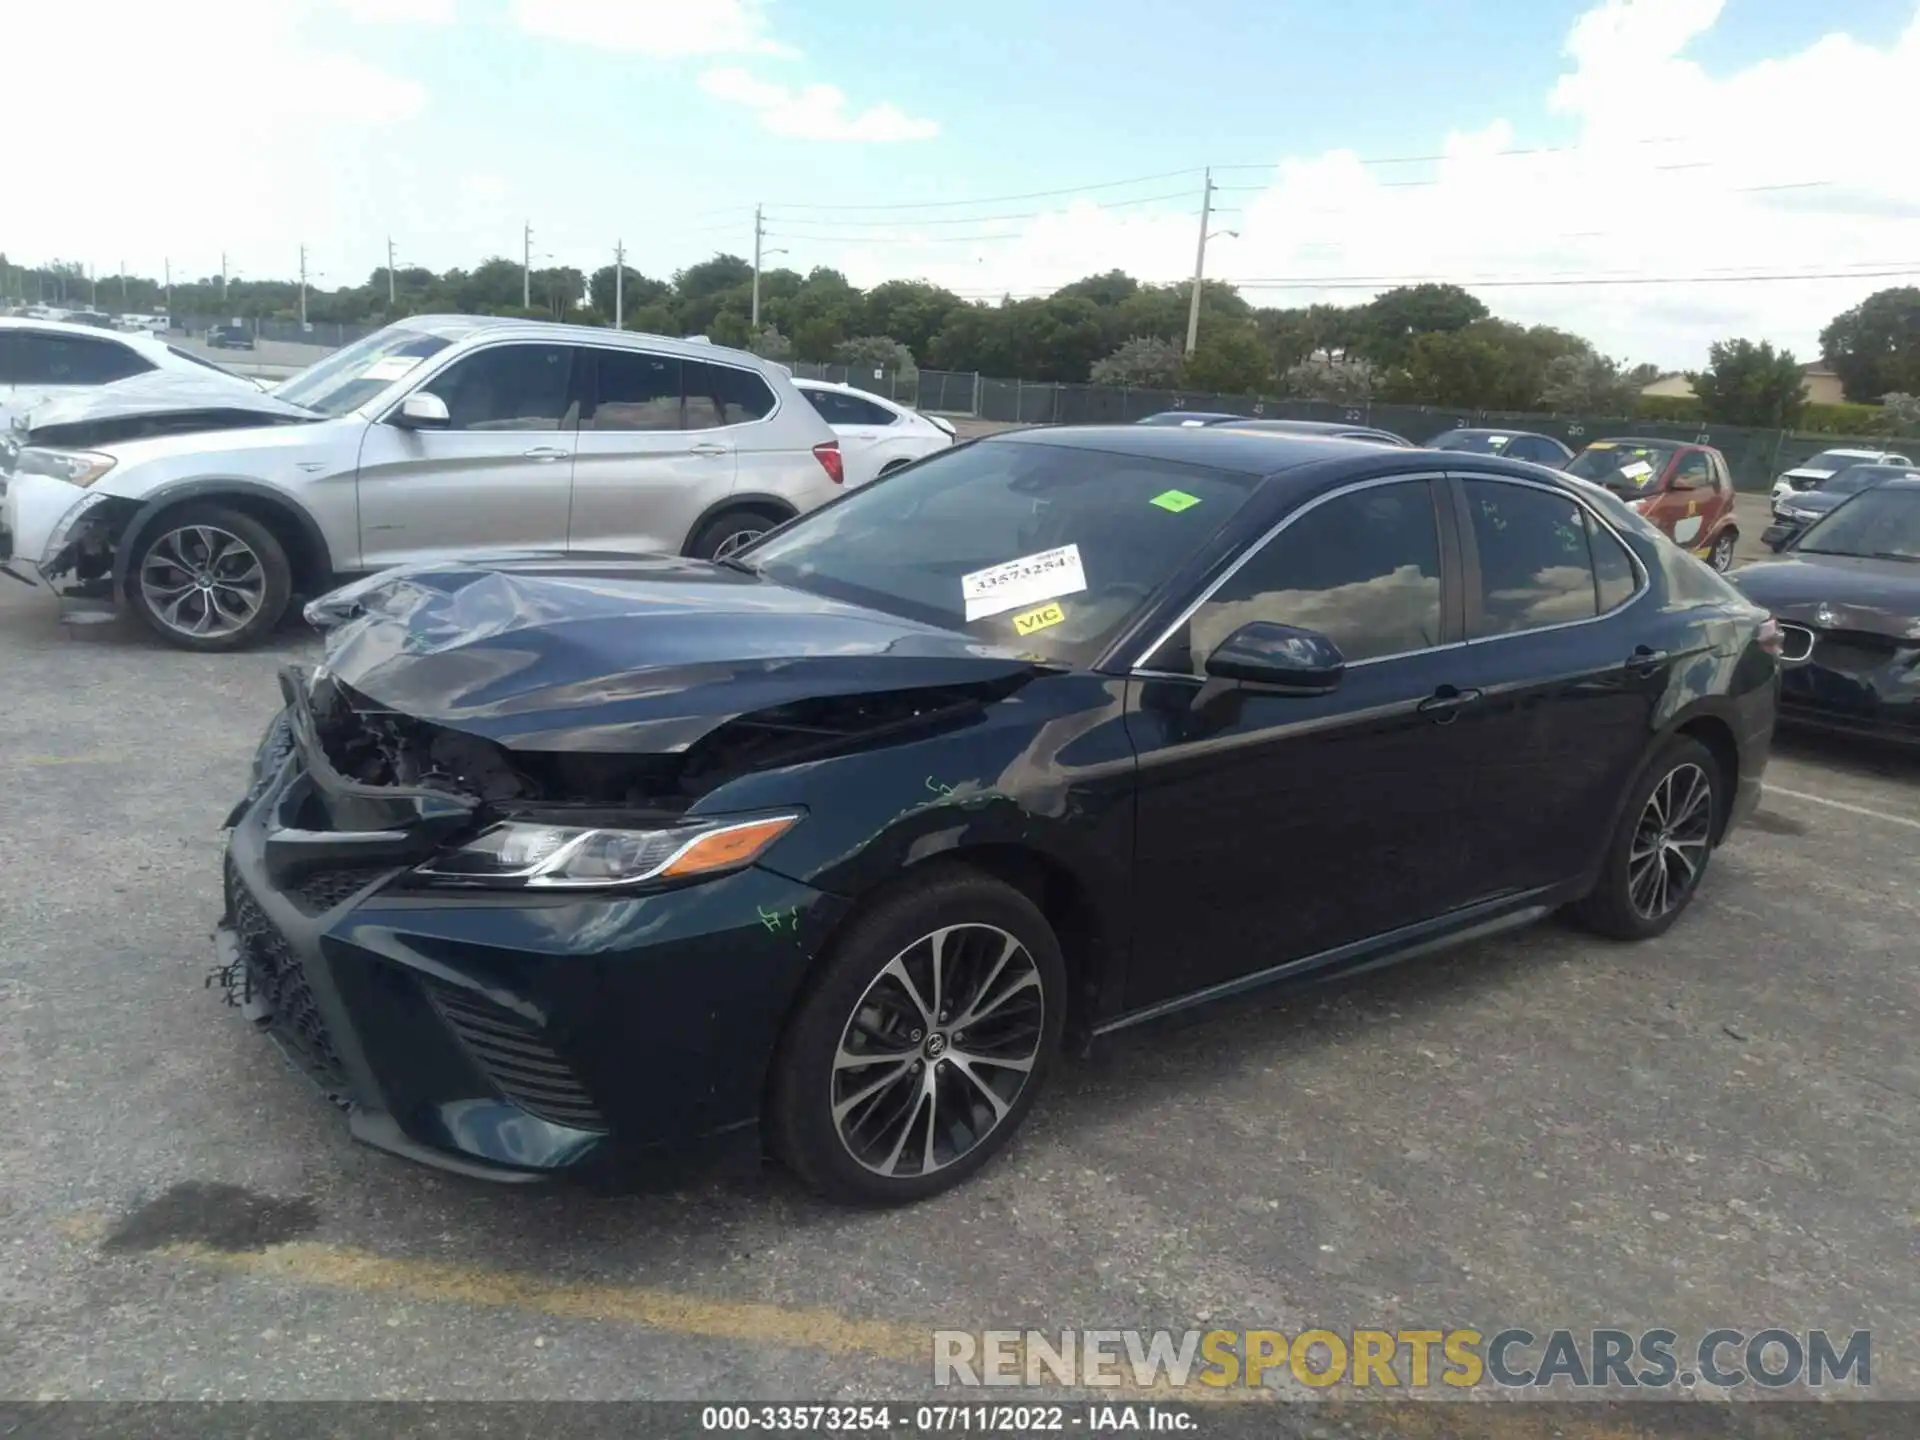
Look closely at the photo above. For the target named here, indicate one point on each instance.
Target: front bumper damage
(1856, 683)
(65, 539)
(504, 1035)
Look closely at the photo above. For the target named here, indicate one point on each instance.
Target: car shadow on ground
(1858, 756)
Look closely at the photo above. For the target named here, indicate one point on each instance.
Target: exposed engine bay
(374, 745)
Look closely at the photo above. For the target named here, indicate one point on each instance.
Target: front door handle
(709, 448)
(546, 452)
(1646, 660)
(1446, 703)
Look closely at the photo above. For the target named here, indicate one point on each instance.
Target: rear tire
(731, 530)
(1724, 545)
(954, 1072)
(1661, 848)
(205, 577)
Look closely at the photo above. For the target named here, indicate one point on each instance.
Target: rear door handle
(1644, 660)
(547, 452)
(1446, 703)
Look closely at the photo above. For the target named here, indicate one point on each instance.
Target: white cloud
(666, 28)
(1672, 171)
(814, 112)
(400, 12)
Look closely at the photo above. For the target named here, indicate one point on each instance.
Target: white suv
(1824, 466)
(42, 360)
(434, 438)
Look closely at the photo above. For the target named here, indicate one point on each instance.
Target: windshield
(1832, 460)
(348, 378)
(1625, 469)
(1474, 442)
(1046, 549)
(1883, 523)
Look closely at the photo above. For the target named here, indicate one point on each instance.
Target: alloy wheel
(1671, 841)
(1722, 559)
(203, 581)
(937, 1051)
(736, 541)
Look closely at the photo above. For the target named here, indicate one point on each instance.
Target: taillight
(827, 452)
(1771, 640)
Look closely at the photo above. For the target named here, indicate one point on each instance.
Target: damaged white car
(206, 510)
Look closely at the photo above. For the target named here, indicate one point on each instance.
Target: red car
(1686, 490)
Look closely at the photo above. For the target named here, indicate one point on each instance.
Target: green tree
(1900, 414)
(910, 310)
(1875, 347)
(1392, 320)
(635, 289)
(1589, 384)
(867, 353)
(1340, 382)
(709, 277)
(1466, 369)
(1230, 360)
(1749, 384)
(655, 319)
(1145, 362)
(770, 344)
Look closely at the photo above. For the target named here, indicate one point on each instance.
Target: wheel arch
(296, 530)
(743, 500)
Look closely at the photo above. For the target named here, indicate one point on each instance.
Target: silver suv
(433, 438)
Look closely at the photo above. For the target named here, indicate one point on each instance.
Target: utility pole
(303, 287)
(1199, 264)
(93, 279)
(526, 268)
(223, 277)
(619, 284)
(759, 234)
(168, 263)
(390, 299)
(123, 286)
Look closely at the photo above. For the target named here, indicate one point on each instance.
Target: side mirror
(1278, 658)
(422, 410)
(1775, 537)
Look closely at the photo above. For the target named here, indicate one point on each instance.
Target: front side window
(1362, 568)
(637, 391)
(1048, 549)
(721, 395)
(1536, 564)
(1694, 472)
(509, 387)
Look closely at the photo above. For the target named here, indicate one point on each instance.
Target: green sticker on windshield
(1175, 500)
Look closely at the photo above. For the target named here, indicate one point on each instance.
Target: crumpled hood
(621, 654)
(1879, 596)
(160, 392)
(1805, 473)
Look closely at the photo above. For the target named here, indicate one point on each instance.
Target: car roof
(802, 383)
(1229, 448)
(460, 327)
(1498, 430)
(1864, 454)
(57, 327)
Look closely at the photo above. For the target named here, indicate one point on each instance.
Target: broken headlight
(76, 467)
(519, 855)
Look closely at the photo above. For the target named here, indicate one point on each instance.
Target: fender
(213, 488)
(741, 500)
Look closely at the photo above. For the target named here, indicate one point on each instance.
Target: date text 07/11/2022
(947, 1419)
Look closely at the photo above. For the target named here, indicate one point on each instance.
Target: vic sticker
(1043, 618)
(1029, 580)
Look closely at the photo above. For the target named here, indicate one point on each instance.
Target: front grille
(514, 1056)
(276, 977)
(320, 890)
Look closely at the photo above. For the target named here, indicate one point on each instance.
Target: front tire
(206, 577)
(921, 1044)
(1660, 850)
(1721, 557)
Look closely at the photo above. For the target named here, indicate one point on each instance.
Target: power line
(1005, 199)
(978, 219)
(916, 242)
(1434, 159)
(1385, 282)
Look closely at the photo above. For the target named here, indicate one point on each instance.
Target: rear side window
(72, 360)
(1614, 578)
(637, 391)
(1536, 566)
(838, 408)
(1362, 568)
(719, 395)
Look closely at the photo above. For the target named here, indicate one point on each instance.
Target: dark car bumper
(504, 1035)
(1856, 685)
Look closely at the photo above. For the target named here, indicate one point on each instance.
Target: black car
(1846, 591)
(1189, 418)
(1514, 444)
(833, 845)
(1803, 507)
(1332, 429)
(230, 337)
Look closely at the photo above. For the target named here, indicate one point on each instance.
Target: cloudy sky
(999, 146)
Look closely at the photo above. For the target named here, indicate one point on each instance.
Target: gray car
(205, 512)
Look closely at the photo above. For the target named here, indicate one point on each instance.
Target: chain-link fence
(1754, 455)
(325, 334)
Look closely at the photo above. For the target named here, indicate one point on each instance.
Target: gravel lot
(1715, 1129)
